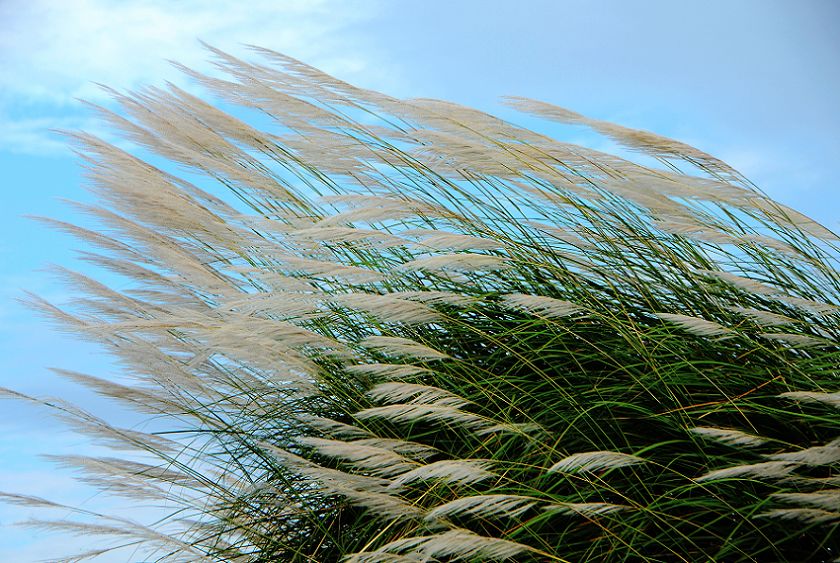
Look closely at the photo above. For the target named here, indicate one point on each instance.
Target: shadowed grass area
(381, 330)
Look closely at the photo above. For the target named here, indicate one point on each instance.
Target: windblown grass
(410, 331)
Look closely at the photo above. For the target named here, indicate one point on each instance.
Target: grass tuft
(370, 329)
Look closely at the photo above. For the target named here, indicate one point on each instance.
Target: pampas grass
(371, 329)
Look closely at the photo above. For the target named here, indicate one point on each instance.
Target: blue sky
(753, 82)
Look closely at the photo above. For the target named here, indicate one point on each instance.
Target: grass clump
(374, 330)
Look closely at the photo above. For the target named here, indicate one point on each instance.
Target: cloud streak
(52, 53)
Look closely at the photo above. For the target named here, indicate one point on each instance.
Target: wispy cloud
(37, 135)
(52, 53)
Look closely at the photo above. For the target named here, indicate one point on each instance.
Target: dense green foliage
(410, 331)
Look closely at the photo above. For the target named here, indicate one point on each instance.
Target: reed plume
(369, 329)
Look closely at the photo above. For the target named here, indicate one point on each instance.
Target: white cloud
(55, 50)
(52, 53)
(38, 135)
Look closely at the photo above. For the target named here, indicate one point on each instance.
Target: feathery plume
(420, 412)
(728, 436)
(377, 461)
(763, 470)
(454, 545)
(388, 371)
(461, 262)
(830, 399)
(540, 305)
(826, 499)
(816, 455)
(460, 471)
(413, 393)
(806, 515)
(694, 325)
(398, 346)
(484, 506)
(594, 461)
(585, 509)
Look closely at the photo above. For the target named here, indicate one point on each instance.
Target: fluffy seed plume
(594, 461)
(816, 455)
(397, 392)
(545, 306)
(585, 509)
(728, 436)
(763, 470)
(765, 318)
(454, 545)
(461, 262)
(830, 399)
(805, 515)
(441, 414)
(402, 347)
(695, 325)
(388, 371)
(484, 506)
(463, 471)
(825, 500)
(797, 340)
(378, 461)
